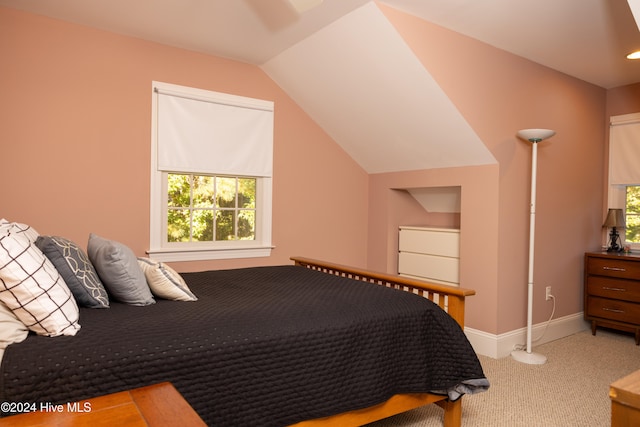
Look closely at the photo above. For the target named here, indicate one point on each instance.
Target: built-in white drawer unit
(430, 253)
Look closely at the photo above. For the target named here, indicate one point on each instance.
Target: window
(632, 214)
(203, 208)
(624, 175)
(211, 167)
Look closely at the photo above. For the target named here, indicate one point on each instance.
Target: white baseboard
(498, 346)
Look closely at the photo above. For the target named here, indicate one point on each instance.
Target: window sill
(192, 254)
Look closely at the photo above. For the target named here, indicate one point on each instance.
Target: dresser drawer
(438, 242)
(613, 288)
(429, 267)
(621, 311)
(614, 268)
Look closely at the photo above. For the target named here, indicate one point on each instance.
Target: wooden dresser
(612, 291)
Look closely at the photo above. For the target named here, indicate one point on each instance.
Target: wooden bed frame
(451, 299)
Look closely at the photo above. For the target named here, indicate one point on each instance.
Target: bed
(306, 344)
(449, 299)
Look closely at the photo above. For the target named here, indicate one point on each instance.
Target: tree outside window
(632, 214)
(204, 208)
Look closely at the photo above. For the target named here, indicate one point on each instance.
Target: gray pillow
(119, 271)
(75, 268)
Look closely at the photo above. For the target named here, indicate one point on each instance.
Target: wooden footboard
(451, 299)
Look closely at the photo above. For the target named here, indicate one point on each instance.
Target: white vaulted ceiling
(374, 97)
(347, 67)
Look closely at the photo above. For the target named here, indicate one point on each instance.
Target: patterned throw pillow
(164, 281)
(33, 289)
(77, 271)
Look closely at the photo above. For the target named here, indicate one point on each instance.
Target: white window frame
(618, 200)
(162, 250)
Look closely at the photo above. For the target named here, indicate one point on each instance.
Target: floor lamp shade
(534, 136)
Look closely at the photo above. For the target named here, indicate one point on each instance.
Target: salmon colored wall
(76, 132)
(478, 227)
(623, 100)
(499, 93)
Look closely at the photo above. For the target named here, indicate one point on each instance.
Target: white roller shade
(624, 150)
(214, 133)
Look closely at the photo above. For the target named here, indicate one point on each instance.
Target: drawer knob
(615, 310)
(614, 268)
(609, 288)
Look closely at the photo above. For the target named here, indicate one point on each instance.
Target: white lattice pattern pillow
(32, 287)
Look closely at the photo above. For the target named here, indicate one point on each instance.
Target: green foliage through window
(632, 214)
(203, 208)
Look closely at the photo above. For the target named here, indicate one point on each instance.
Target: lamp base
(614, 237)
(529, 358)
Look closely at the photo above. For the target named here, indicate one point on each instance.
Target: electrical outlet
(548, 293)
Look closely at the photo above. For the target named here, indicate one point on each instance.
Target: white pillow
(12, 330)
(164, 281)
(33, 289)
(7, 227)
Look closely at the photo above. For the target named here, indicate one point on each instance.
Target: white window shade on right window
(624, 150)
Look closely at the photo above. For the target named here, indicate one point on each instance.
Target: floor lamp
(534, 136)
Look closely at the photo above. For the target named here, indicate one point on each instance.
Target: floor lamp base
(530, 358)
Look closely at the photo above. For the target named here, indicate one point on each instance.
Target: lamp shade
(535, 135)
(615, 218)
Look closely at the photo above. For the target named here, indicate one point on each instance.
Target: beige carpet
(571, 389)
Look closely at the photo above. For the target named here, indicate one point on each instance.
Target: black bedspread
(264, 346)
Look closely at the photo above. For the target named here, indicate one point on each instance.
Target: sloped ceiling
(344, 63)
(372, 95)
(587, 39)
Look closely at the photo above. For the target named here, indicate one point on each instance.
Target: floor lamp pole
(534, 136)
